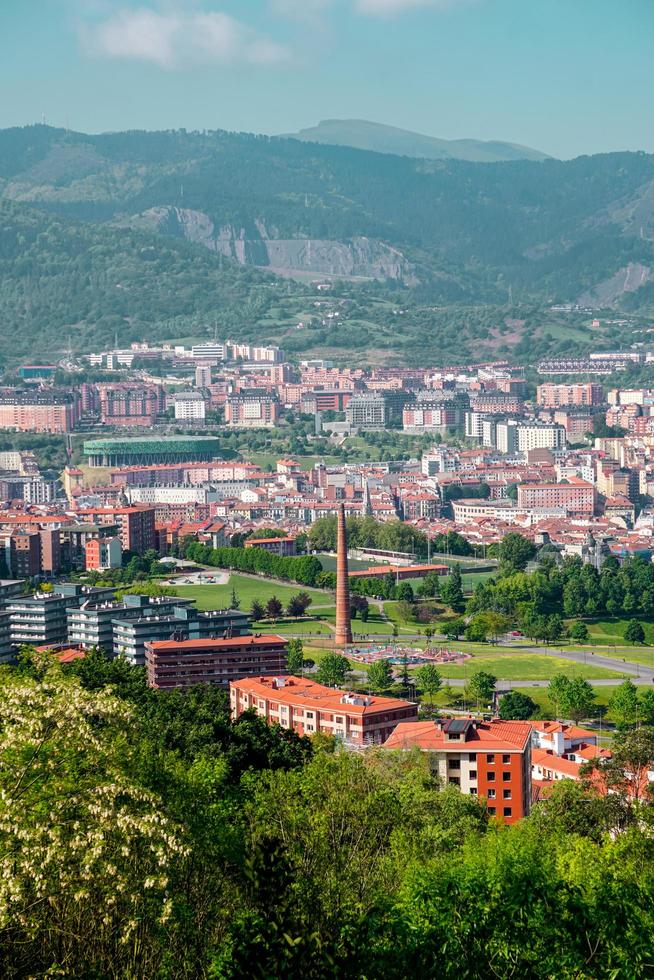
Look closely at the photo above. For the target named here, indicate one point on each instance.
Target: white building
(212, 351)
(190, 405)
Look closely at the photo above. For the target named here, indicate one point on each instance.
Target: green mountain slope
(64, 282)
(365, 135)
(153, 234)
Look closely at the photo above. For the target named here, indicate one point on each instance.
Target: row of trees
(296, 606)
(571, 588)
(202, 847)
(303, 569)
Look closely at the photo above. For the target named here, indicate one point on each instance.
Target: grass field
(247, 589)
(611, 631)
(510, 665)
(328, 563)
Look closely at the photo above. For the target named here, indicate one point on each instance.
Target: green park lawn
(611, 632)
(247, 589)
(506, 664)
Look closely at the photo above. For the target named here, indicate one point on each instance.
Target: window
(491, 810)
(506, 777)
(455, 763)
(491, 777)
(454, 781)
(473, 773)
(473, 790)
(472, 756)
(507, 811)
(506, 760)
(491, 794)
(507, 794)
(338, 719)
(490, 759)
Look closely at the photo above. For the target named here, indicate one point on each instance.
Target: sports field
(247, 589)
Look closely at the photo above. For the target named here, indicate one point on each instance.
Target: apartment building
(577, 497)
(190, 406)
(135, 525)
(6, 649)
(284, 547)
(424, 416)
(252, 410)
(182, 622)
(375, 410)
(308, 707)
(179, 663)
(125, 405)
(551, 395)
(490, 759)
(49, 410)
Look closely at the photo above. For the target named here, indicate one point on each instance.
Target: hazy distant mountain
(364, 135)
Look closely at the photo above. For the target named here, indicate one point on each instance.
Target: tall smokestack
(343, 633)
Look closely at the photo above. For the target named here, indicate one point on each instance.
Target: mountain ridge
(362, 134)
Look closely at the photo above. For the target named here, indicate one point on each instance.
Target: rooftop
(492, 736)
(296, 690)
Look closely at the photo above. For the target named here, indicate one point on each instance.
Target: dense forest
(144, 834)
(137, 235)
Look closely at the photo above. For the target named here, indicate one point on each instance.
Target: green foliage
(623, 703)
(516, 706)
(634, 632)
(303, 569)
(144, 833)
(380, 676)
(481, 687)
(452, 590)
(429, 681)
(579, 631)
(515, 552)
(573, 697)
(295, 657)
(333, 669)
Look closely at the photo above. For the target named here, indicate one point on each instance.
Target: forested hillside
(157, 236)
(551, 228)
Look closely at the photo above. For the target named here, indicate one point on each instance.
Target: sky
(564, 76)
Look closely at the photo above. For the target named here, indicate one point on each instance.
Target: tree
(295, 657)
(454, 628)
(623, 703)
(405, 611)
(429, 632)
(452, 590)
(234, 602)
(556, 691)
(635, 632)
(477, 630)
(429, 681)
(333, 669)
(515, 552)
(257, 611)
(646, 706)
(380, 676)
(481, 687)
(578, 631)
(77, 832)
(578, 699)
(295, 607)
(404, 592)
(274, 608)
(631, 759)
(516, 706)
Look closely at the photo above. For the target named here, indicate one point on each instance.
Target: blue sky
(565, 76)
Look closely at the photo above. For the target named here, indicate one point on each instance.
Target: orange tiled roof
(493, 736)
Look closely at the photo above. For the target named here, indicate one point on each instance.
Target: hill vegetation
(143, 833)
(155, 235)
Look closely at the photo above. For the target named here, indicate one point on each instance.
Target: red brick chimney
(343, 633)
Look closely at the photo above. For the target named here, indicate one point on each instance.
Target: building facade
(308, 707)
(183, 663)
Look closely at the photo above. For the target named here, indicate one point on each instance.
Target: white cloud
(179, 39)
(385, 8)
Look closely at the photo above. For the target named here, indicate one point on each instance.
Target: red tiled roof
(493, 736)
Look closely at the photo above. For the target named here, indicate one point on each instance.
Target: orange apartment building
(308, 707)
(491, 759)
(577, 497)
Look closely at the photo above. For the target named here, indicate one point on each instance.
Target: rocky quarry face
(259, 245)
